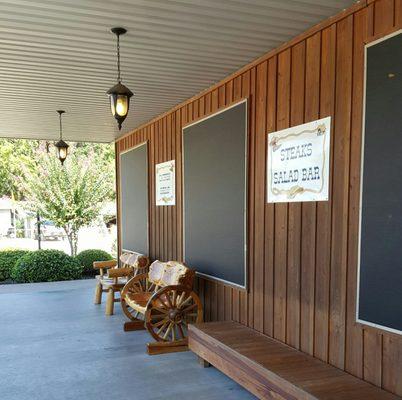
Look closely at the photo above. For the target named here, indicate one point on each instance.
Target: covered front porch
(56, 344)
(256, 177)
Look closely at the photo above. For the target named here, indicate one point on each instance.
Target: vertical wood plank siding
(302, 257)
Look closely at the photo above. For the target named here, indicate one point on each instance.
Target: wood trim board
(359, 320)
(120, 207)
(244, 245)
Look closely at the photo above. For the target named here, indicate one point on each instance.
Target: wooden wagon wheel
(169, 312)
(138, 286)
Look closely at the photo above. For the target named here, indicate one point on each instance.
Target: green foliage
(46, 266)
(8, 259)
(15, 155)
(19, 225)
(71, 196)
(18, 155)
(86, 258)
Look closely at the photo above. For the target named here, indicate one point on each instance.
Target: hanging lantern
(61, 145)
(119, 94)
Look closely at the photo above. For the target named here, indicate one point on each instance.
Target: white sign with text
(165, 184)
(298, 163)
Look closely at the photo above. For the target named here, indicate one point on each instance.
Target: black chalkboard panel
(214, 169)
(380, 273)
(134, 199)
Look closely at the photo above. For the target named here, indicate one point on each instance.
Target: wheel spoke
(161, 310)
(174, 297)
(190, 315)
(137, 288)
(185, 329)
(168, 331)
(189, 308)
(158, 316)
(169, 300)
(189, 298)
(162, 302)
(162, 328)
(180, 329)
(158, 324)
(180, 299)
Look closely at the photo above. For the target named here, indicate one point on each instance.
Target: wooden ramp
(272, 370)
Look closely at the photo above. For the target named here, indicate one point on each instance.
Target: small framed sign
(165, 184)
(298, 163)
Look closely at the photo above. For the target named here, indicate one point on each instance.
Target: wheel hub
(175, 315)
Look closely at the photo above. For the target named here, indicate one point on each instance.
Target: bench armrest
(104, 264)
(119, 272)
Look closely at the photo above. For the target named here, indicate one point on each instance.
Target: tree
(71, 195)
(15, 154)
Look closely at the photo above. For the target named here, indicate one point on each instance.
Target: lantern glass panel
(112, 105)
(122, 105)
(62, 153)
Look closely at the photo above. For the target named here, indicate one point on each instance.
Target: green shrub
(8, 259)
(46, 266)
(87, 257)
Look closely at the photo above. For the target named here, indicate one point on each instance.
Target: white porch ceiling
(60, 54)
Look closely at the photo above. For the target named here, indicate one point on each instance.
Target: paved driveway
(56, 345)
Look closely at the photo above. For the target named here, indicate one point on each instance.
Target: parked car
(49, 231)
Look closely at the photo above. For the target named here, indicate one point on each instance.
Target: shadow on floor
(55, 344)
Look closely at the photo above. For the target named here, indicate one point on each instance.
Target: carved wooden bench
(163, 302)
(272, 370)
(114, 280)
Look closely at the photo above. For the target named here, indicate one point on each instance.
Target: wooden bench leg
(110, 302)
(154, 348)
(98, 294)
(203, 363)
(137, 325)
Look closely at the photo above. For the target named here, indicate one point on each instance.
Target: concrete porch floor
(55, 344)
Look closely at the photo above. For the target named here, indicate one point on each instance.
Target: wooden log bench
(113, 282)
(272, 370)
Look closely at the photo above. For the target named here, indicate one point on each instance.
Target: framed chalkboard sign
(379, 297)
(215, 191)
(134, 199)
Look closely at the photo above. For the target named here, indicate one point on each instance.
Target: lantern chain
(118, 59)
(61, 128)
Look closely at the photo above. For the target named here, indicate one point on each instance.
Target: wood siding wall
(302, 256)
